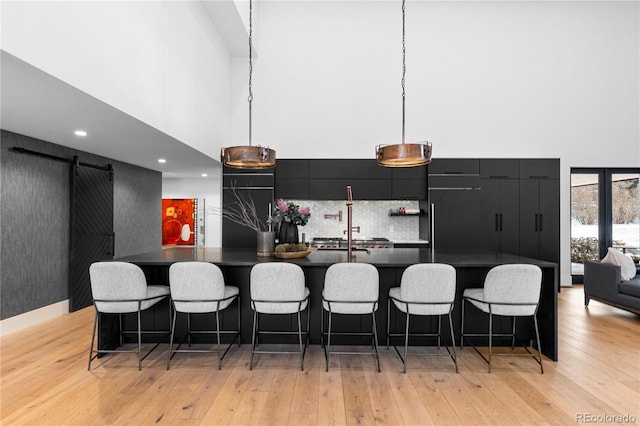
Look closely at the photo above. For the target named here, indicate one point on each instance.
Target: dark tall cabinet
(500, 204)
(256, 185)
(505, 205)
(539, 210)
(454, 197)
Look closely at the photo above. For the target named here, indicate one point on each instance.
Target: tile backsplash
(371, 216)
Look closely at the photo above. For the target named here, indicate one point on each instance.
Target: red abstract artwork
(178, 221)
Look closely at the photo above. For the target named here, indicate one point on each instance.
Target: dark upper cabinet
(292, 179)
(327, 179)
(409, 189)
(363, 189)
(411, 173)
(409, 183)
(292, 169)
(292, 189)
(499, 168)
(540, 168)
(454, 166)
(454, 182)
(247, 180)
(232, 171)
(347, 169)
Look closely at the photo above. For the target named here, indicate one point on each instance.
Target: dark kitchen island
(471, 268)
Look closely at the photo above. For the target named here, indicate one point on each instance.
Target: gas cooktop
(328, 243)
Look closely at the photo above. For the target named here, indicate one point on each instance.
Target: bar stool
(350, 289)
(278, 288)
(199, 288)
(121, 288)
(509, 290)
(426, 289)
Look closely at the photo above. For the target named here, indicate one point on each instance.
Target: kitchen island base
(471, 269)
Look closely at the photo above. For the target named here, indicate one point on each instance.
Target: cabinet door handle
(432, 226)
(540, 222)
(535, 222)
(497, 229)
(500, 222)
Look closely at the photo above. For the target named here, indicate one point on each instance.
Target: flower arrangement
(291, 213)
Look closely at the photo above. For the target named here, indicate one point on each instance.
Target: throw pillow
(627, 267)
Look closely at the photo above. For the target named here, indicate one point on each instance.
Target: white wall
(207, 191)
(530, 79)
(161, 62)
(484, 79)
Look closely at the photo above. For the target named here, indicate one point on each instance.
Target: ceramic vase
(288, 233)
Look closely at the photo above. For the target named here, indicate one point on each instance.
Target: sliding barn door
(92, 237)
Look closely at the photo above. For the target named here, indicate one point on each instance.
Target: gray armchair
(121, 288)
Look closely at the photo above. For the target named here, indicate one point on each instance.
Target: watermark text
(605, 418)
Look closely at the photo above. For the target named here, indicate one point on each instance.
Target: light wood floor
(45, 381)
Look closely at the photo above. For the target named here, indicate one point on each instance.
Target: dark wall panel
(137, 209)
(34, 219)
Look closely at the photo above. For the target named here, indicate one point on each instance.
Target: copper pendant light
(248, 156)
(404, 154)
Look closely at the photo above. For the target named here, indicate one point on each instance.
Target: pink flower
(291, 213)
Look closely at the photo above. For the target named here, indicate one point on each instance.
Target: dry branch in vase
(243, 212)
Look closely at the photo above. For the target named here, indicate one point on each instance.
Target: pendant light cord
(250, 98)
(404, 67)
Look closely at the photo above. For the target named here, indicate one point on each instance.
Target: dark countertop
(379, 257)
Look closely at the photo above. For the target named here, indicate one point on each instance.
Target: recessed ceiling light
(204, 175)
(162, 160)
(80, 133)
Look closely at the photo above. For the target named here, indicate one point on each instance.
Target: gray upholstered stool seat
(350, 289)
(278, 288)
(427, 289)
(121, 288)
(199, 288)
(509, 290)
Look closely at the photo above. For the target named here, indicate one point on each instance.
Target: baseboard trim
(35, 317)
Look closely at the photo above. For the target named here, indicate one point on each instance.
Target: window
(605, 212)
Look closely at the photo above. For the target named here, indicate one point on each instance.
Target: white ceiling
(36, 104)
